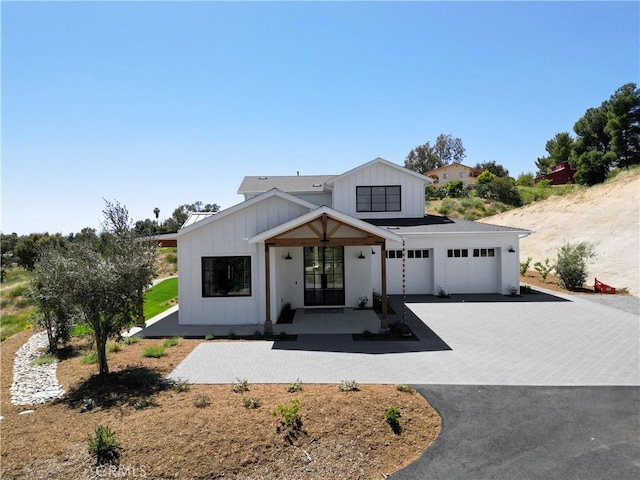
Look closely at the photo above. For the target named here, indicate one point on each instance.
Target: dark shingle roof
(289, 183)
(438, 224)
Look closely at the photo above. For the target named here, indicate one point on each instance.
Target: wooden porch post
(268, 327)
(384, 322)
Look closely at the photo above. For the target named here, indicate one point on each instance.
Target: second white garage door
(473, 270)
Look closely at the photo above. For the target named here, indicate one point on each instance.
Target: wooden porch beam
(384, 321)
(268, 326)
(314, 242)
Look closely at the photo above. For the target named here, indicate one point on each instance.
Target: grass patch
(160, 297)
(81, 330)
(113, 347)
(44, 360)
(14, 323)
(130, 340)
(171, 342)
(89, 358)
(153, 351)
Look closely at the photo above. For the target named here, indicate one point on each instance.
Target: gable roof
(193, 225)
(312, 215)
(285, 183)
(444, 167)
(382, 161)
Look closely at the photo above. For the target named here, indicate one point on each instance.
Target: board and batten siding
(379, 174)
(227, 236)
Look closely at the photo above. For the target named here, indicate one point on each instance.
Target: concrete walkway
(474, 340)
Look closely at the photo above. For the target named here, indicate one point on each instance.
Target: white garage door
(419, 271)
(473, 270)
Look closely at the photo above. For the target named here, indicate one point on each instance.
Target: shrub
(250, 402)
(182, 386)
(113, 347)
(104, 446)
(295, 386)
(392, 417)
(348, 386)
(81, 330)
(153, 351)
(289, 413)
(571, 263)
(130, 340)
(544, 269)
(89, 358)
(202, 401)
(524, 266)
(44, 360)
(172, 342)
(87, 404)
(209, 336)
(142, 404)
(18, 291)
(240, 386)
(232, 335)
(405, 388)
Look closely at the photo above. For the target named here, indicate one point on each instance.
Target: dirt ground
(343, 435)
(607, 214)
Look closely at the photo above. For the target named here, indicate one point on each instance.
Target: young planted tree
(571, 263)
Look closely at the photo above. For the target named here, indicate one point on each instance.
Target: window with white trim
(383, 198)
(226, 276)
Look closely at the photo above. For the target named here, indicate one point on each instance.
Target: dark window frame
(214, 269)
(365, 196)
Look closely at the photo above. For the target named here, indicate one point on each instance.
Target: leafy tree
(590, 129)
(493, 167)
(444, 151)
(28, 247)
(456, 189)
(525, 180)
(485, 177)
(49, 291)
(431, 191)
(623, 124)
(593, 166)
(571, 263)
(501, 189)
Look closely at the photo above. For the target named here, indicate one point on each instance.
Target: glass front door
(323, 276)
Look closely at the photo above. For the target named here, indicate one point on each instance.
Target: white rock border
(33, 384)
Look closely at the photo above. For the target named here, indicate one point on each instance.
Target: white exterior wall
(378, 174)
(320, 199)
(227, 236)
(357, 275)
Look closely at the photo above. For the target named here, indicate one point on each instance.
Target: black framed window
(226, 276)
(384, 198)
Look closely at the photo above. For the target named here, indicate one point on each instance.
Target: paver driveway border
(566, 342)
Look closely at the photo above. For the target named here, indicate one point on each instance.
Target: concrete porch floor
(306, 321)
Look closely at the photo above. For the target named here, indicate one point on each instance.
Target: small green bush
(289, 413)
(131, 340)
(89, 358)
(524, 266)
(348, 386)
(142, 404)
(403, 387)
(81, 330)
(113, 347)
(209, 336)
(392, 417)
(18, 291)
(295, 386)
(250, 402)
(182, 386)
(232, 335)
(153, 351)
(172, 342)
(104, 446)
(202, 401)
(240, 385)
(544, 269)
(44, 360)
(87, 404)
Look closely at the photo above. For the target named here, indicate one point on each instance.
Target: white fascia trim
(307, 217)
(247, 203)
(520, 233)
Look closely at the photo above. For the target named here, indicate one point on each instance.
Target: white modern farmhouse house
(311, 241)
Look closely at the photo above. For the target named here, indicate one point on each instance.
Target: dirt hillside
(606, 214)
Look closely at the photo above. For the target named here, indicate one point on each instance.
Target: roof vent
(262, 178)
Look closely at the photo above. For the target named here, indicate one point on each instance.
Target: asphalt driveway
(563, 433)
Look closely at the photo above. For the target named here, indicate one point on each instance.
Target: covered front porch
(324, 259)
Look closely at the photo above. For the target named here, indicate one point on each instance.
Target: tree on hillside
(525, 180)
(501, 189)
(149, 227)
(559, 150)
(623, 125)
(444, 151)
(493, 167)
(28, 247)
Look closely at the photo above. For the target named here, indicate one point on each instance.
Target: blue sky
(156, 104)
